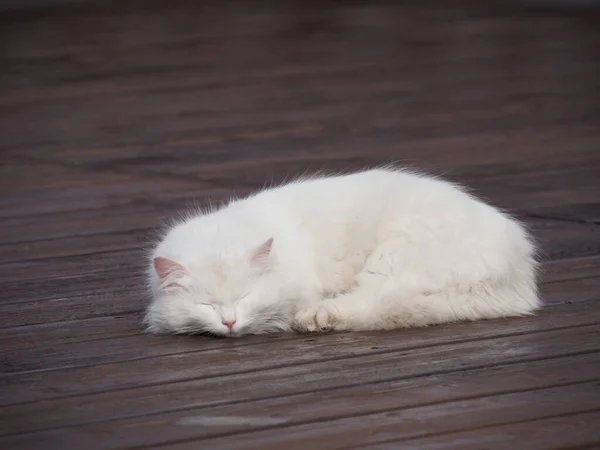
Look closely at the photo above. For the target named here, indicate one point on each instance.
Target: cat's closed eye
(208, 304)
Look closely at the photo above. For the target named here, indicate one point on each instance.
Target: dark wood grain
(576, 431)
(116, 116)
(367, 429)
(400, 399)
(191, 385)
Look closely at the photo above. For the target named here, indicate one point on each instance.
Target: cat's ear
(260, 256)
(169, 272)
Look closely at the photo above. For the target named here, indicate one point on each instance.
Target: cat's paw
(314, 319)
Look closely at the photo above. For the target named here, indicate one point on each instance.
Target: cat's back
(394, 195)
(339, 188)
(369, 191)
(372, 181)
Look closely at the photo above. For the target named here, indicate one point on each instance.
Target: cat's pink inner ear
(260, 256)
(167, 268)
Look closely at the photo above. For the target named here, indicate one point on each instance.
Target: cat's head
(225, 296)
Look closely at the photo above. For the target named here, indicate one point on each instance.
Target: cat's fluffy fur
(379, 249)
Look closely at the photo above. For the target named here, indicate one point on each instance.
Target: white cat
(379, 249)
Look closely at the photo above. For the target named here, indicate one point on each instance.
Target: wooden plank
(137, 62)
(350, 152)
(376, 145)
(68, 189)
(74, 331)
(559, 239)
(179, 64)
(217, 377)
(542, 199)
(584, 212)
(85, 222)
(572, 291)
(72, 266)
(570, 269)
(573, 431)
(40, 250)
(87, 305)
(134, 59)
(70, 287)
(395, 409)
(536, 201)
(404, 424)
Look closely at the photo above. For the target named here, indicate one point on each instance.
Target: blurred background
(234, 93)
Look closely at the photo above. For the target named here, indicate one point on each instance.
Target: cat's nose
(229, 324)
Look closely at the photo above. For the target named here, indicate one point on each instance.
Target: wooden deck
(113, 117)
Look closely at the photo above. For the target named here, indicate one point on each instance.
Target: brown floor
(113, 119)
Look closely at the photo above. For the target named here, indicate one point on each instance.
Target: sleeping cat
(374, 250)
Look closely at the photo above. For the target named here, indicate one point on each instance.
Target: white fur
(379, 249)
